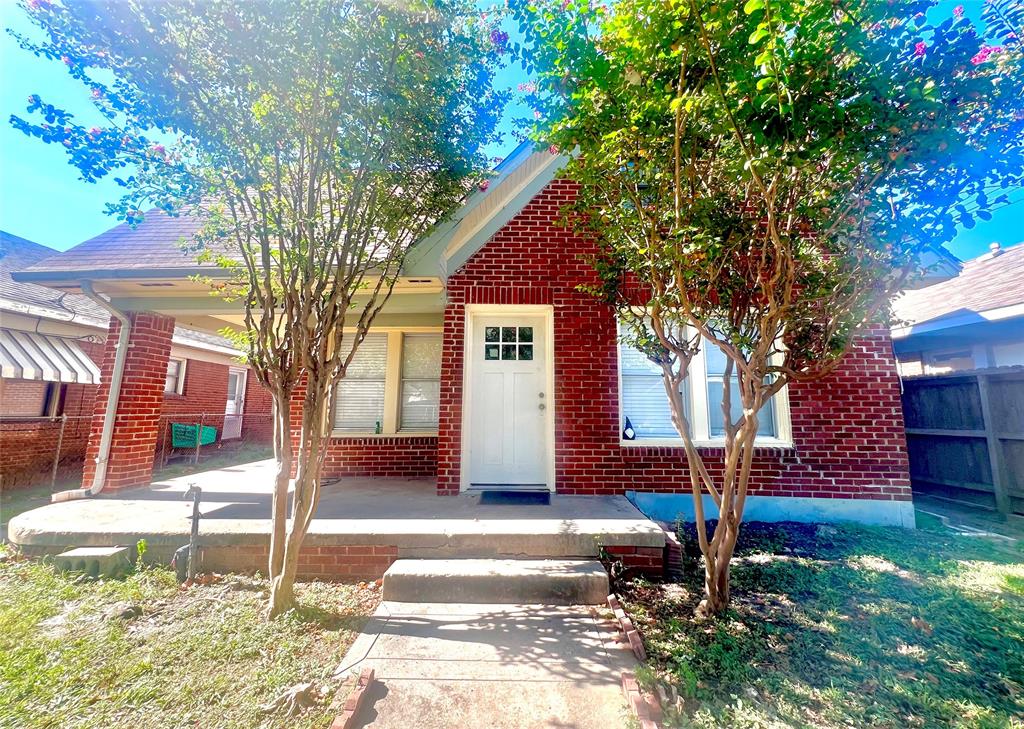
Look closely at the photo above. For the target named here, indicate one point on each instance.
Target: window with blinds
(645, 405)
(644, 401)
(360, 396)
(421, 382)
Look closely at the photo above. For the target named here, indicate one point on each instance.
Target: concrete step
(497, 581)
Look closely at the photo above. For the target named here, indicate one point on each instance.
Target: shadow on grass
(838, 625)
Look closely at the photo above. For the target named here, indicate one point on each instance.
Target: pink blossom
(537, 114)
(983, 55)
(158, 149)
(95, 132)
(958, 11)
(96, 93)
(484, 184)
(552, 149)
(65, 60)
(566, 4)
(528, 88)
(920, 48)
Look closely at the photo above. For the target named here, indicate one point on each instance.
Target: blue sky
(43, 199)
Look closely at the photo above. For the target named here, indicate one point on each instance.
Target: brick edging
(644, 707)
(347, 718)
(627, 628)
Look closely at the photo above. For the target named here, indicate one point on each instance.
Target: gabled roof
(988, 288)
(19, 254)
(152, 249)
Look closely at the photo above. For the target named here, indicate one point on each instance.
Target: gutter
(113, 396)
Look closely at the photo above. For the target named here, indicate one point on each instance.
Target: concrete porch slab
(408, 515)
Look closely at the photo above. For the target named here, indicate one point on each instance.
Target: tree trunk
(309, 460)
(282, 479)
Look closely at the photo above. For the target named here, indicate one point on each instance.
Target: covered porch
(362, 525)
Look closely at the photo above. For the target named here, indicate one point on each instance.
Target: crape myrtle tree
(315, 139)
(761, 177)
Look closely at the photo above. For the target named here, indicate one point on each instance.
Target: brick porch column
(133, 447)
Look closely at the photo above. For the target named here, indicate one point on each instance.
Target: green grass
(844, 626)
(201, 657)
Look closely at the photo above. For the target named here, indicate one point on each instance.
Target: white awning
(31, 356)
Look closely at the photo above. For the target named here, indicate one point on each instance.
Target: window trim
(696, 383)
(390, 426)
(179, 386)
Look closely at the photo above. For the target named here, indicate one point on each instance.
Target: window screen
(644, 400)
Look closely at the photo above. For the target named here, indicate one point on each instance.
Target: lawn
(73, 652)
(844, 627)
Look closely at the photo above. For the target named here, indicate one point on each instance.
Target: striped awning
(31, 356)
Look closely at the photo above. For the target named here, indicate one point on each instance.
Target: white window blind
(360, 396)
(421, 381)
(644, 400)
(645, 403)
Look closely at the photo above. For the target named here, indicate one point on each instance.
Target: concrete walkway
(500, 666)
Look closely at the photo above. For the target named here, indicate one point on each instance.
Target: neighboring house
(489, 368)
(974, 320)
(51, 357)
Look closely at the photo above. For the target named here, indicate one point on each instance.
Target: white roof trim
(31, 356)
(517, 179)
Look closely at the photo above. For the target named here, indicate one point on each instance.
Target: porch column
(133, 447)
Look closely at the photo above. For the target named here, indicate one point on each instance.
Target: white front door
(235, 406)
(509, 403)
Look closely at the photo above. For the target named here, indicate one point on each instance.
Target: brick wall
(27, 448)
(328, 562)
(847, 429)
(22, 397)
(257, 423)
(142, 397)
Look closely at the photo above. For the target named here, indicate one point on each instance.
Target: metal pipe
(113, 396)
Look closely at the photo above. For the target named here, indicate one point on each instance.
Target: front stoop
(497, 581)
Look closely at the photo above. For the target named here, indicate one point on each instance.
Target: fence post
(56, 455)
(163, 444)
(995, 449)
(199, 436)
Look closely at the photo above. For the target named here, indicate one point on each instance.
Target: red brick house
(488, 368)
(51, 351)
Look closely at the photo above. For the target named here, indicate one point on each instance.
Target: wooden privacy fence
(965, 436)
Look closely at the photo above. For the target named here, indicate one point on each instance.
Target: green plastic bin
(184, 436)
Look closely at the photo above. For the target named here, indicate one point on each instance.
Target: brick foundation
(335, 562)
(649, 560)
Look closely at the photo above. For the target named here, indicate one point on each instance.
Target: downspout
(113, 396)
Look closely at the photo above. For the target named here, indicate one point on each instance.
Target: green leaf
(757, 35)
(753, 6)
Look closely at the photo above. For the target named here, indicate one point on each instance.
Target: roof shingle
(985, 283)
